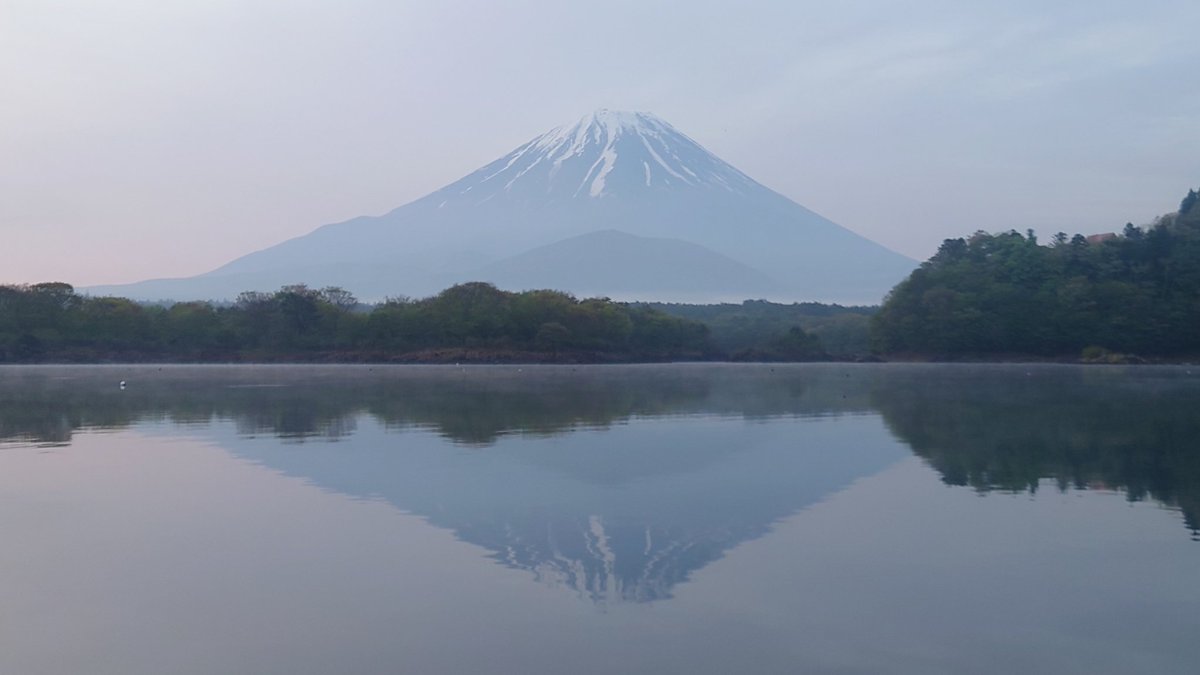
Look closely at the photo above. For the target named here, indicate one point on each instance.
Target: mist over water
(707, 518)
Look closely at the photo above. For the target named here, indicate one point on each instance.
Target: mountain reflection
(622, 514)
(619, 482)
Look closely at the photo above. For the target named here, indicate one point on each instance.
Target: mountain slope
(612, 262)
(611, 170)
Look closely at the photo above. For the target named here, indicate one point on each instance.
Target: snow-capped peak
(601, 125)
(605, 152)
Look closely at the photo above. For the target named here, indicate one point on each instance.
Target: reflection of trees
(1132, 429)
(980, 426)
(48, 410)
(472, 405)
(36, 421)
(1135, 430)
(477, 412)
(39, 411)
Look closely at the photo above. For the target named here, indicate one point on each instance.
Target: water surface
(685, 518)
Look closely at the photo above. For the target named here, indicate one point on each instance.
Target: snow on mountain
(581, 160)
(610, 170)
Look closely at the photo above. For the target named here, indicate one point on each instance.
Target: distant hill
(609, 262)
(629, 172)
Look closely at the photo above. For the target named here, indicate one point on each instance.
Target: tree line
(986, 296)
(759, 330)
(472, 321)
(1137, 292)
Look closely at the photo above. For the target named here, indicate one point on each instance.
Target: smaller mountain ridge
(637, 268)
(670, 221)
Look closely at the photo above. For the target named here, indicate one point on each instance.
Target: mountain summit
(643, 209)
(604, 154)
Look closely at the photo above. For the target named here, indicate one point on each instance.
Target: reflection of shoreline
(467, 405)
(1134, 431)
(989, 427)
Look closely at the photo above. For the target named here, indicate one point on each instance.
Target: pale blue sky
(156, 138)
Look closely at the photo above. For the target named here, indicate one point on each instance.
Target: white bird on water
(122, 384)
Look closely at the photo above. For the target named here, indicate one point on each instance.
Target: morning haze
(145, 140)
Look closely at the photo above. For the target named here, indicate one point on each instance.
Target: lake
(702, 518)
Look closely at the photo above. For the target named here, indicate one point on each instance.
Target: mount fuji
(618, 204)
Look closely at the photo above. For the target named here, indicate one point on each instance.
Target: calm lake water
(642, 519)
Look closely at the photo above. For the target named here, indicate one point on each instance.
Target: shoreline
(476, 358)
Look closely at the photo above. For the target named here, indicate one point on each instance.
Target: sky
(162, 138)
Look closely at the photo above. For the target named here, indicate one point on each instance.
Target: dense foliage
(473, 321)
(1005, 294)
(765, 331)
